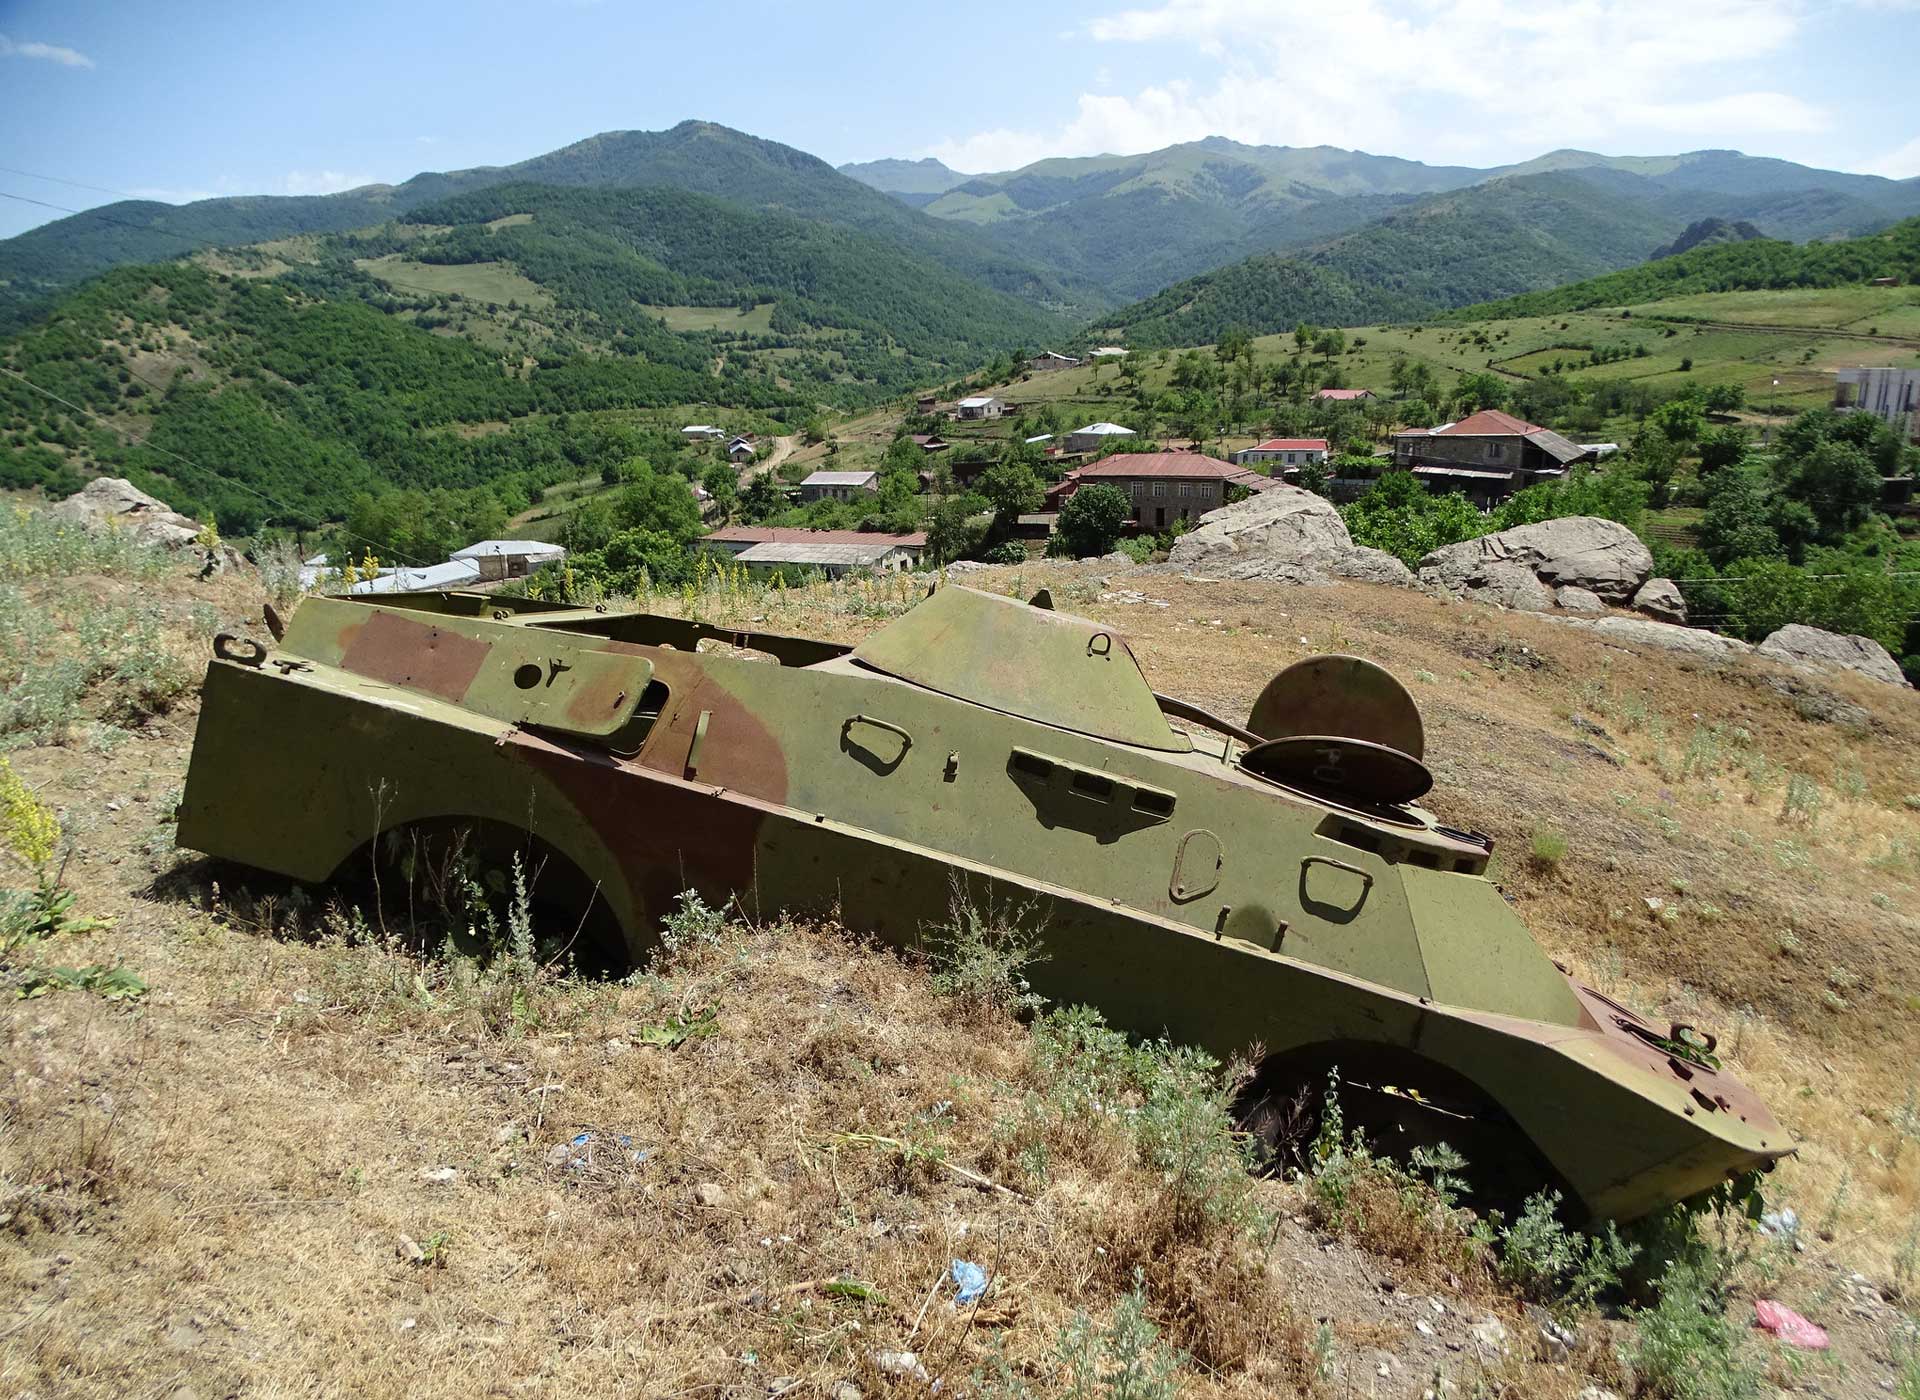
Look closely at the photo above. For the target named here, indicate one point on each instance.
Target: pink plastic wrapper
(1789, 1326)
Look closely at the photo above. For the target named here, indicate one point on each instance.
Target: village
(799, 506)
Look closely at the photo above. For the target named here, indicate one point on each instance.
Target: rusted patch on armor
(417, 655)
(664, 835)
(740, 754)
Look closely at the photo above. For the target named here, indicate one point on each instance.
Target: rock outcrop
(113, 500)
(1584, 551)
(1809, 646)
(1664, 635)
(1661, 600)
(1574, 599)
(1285, 534)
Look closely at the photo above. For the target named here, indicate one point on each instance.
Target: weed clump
(1545, 1262)
(980, 958)
(1684, 1348)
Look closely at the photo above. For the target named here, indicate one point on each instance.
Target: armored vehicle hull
(1197, 879)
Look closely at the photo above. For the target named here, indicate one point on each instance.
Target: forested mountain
(1133, 224)
(1755, 265)
(471, 346)
(699, 156)
(1449, 250)
(1706, 232)
(914, 182)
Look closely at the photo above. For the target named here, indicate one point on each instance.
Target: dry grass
(1791, 932)
(235, 1185)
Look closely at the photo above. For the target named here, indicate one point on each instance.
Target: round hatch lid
(1347, 696)
(1352, 770)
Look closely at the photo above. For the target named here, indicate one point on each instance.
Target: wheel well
(1399, 1099)
(417, 864)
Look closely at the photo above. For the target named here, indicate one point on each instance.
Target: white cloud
(51, 53)
(1902, 164)
(321, 181)
(1440, 78)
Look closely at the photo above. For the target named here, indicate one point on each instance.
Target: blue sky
(184, 101)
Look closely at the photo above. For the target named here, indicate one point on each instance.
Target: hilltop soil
(307, 1160)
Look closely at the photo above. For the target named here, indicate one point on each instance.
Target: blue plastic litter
(970, 1279)
(585, 1144)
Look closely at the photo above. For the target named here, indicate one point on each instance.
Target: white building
(739, 449)
(497, 559)
(702, 432)
(1096, 436)
(839, 486)
(980, 406)
(455, 573)
(1284, 452)
(1107, 352)
(1891, 395)
(881, 556)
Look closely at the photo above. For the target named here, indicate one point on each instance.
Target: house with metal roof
(839, 486)
(736, 540)
(497, 559)
(1343, 395)
(1162, 486)
(455, 573)
(980, 406)
(1096, 436)
(876, 553)
(1486, 456)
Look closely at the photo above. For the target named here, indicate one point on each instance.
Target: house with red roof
(1162, 486)
(1486, 456)
(1343, 395)
(1284, 452)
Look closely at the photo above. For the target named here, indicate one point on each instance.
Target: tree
(1091, 522)
(1838, 482)
(1721, 448)
(947, 534)
(1477, 391)
(1012, 489)
(1736, 523)
(1726, 398)
(1303, 335)
(723, 484)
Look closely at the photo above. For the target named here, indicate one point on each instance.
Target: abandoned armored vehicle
(1235, 886)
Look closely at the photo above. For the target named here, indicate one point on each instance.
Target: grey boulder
(1809, 646)
(1285, 534)
(1585, 551)
(1661, 600)
(1664, 635)
(1578, 600)
(112, 500)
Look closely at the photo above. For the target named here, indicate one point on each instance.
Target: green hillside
(701, 157)
(500, 340)
(1450, 250)
(921, 180)
(1132, 225)
(1743, 266)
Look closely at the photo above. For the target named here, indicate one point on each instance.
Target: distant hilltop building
(1891, 395)
(1342, 395)
(979, 407)
(1051, 359)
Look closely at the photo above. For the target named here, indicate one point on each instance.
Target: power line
(278, 505)
(76, 184)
